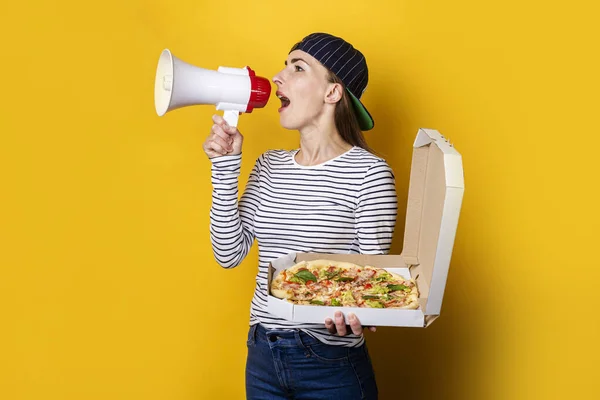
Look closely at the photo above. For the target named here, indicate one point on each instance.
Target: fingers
(217, 144)
(355, 325)
(340, 324)
(219, 131)
(217, 119)
(221, 138)
(220, 121)
(330, 326)
(212, 146)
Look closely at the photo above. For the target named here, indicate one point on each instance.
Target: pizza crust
(282, 294)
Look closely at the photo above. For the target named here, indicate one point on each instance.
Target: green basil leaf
(369, 297)
(336, 302)
(306, 276)
(319, 302)
(393, 288)
(344, 279)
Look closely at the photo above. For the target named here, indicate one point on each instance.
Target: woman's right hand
(223, 139)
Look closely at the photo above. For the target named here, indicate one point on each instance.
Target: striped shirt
(345, 205)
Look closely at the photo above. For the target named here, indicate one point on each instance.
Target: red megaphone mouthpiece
(260, 91)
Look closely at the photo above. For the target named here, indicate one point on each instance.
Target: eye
(298, 68)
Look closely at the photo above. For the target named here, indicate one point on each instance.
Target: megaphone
(232, 90)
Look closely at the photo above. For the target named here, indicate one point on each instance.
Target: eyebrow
(294, 60)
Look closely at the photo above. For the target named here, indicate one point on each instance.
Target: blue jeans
(294, 365)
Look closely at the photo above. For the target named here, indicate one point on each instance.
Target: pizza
(344, 284)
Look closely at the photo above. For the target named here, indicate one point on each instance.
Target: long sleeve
(377, 210)
(232, 222)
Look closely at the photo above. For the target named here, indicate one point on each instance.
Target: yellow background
(106, 265)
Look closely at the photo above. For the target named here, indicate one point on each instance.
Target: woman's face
(302, 87)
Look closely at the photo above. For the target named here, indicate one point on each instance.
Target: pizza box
(434, 201)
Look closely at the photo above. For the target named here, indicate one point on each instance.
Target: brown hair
(345, 119)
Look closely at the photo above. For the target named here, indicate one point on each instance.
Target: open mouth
(284, 100)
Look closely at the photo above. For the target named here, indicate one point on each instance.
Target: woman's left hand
(339, 326)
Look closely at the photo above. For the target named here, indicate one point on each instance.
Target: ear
(333, 93)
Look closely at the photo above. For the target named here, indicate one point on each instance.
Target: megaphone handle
(231, 117)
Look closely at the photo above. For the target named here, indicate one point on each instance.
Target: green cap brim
(365, 121)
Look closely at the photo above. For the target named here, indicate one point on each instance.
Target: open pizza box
(434, 200)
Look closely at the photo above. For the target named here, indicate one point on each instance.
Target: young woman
(332, 195)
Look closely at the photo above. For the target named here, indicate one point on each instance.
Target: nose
(278, 79)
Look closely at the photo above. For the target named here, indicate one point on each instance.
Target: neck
(320, 143)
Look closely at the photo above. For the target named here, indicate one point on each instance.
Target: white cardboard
(434, 202)
(447, 225)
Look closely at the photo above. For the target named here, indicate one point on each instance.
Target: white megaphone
(232, 90)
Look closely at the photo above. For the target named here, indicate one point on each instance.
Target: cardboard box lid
(434, 200)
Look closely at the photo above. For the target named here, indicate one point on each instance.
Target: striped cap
(347, 63)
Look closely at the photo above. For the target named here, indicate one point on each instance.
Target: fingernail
(338, 314)
(351, 317)
(328, 321)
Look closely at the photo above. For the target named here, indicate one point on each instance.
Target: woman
(329, 196)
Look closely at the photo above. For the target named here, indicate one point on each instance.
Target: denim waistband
(280, 337)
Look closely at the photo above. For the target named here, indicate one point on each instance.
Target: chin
(288, 123)
(295, 120)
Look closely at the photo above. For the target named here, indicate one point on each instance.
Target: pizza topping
(374, 304)
(328, 273)
(295, 279)
(383, 276)
(379, 289)
(305, 276)
(347, 298)
(331, 274)
(370, 297)
(318, 302)
(393, 288)
(369, 273)
(391, 304)
(335, 302)
(345, 279)
(385, 297)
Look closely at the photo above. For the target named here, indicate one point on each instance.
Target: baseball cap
(347, 63)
